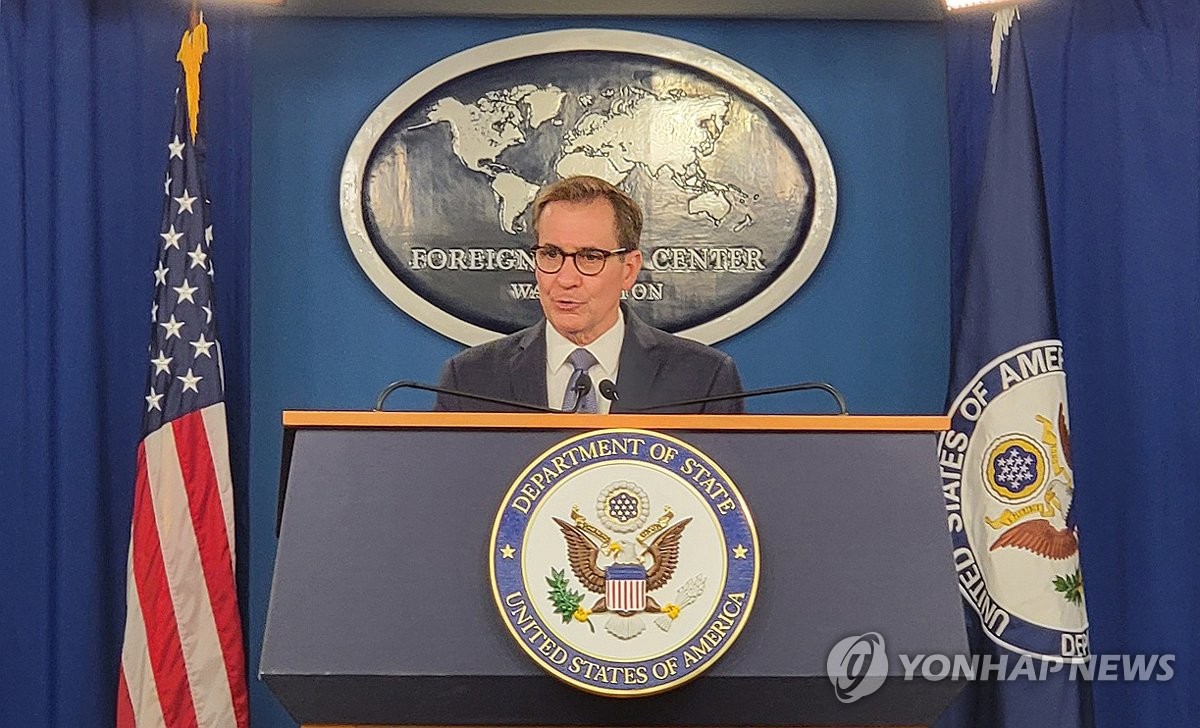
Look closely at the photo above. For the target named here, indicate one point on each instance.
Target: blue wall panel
(873, 318)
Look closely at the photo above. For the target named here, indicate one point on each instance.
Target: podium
(381, 610)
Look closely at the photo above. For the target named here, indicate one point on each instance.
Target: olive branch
(1071, 587)
(566, 601)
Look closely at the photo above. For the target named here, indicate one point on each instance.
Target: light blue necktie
(582, 360)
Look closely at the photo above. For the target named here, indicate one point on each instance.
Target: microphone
(609, 390)
(582, 386)
(798, 387)
(410, 384)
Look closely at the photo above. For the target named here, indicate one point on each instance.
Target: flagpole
(182, 661)
(192, 48)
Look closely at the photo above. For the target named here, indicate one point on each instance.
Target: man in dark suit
(587, 253)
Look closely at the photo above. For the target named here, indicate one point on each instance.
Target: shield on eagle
(625, 587)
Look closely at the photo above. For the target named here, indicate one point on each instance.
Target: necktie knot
(582, 359)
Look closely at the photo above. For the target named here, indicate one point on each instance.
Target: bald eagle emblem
(1039, 535)
(624, 570)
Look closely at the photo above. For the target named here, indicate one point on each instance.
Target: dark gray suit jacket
(655, 368)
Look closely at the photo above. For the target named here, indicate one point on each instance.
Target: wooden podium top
(373, 725)
(300, 419)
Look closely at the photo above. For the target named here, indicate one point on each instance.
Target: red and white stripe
(625, 595)
(182, 663)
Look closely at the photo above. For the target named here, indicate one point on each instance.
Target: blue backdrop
(84, 108)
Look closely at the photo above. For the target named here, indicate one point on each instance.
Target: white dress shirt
(606, 349)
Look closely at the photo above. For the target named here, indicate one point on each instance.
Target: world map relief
(669, 135)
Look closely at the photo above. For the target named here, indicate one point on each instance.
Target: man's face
(580, 307)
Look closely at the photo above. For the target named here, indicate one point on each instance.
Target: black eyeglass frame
(563, 255)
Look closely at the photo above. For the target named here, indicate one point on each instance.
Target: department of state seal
(1009, 487)
(624, 562)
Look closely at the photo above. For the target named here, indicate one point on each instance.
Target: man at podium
(591, 353)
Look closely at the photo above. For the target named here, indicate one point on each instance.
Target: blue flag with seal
(1006, 459)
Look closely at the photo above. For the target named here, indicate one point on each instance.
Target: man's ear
(630, 268)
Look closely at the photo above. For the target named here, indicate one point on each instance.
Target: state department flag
(1006, 460)
(181, 659)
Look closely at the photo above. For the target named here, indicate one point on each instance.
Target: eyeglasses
(588, 261)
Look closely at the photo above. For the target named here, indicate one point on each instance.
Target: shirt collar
(606, 349)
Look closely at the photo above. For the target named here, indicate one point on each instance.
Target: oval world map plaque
(736, 185)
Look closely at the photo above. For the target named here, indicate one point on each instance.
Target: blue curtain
(85, 110)
(1116, 88)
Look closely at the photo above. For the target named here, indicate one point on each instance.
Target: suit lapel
(639, 365)
(527, 372)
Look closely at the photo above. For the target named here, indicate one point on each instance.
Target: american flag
(181, 661)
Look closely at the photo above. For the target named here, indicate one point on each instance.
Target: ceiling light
(964, 4)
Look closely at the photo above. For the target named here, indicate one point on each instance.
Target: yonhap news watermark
(859, 665)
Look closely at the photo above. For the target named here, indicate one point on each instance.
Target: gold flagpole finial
(192, 48)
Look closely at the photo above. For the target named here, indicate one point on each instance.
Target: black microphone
(609, 390)
(799, 387)
(410, 384)
(582, 386)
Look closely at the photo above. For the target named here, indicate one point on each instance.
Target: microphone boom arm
(410, 384)
(800, 387)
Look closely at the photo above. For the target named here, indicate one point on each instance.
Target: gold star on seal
(739, 551)
(507, 551)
